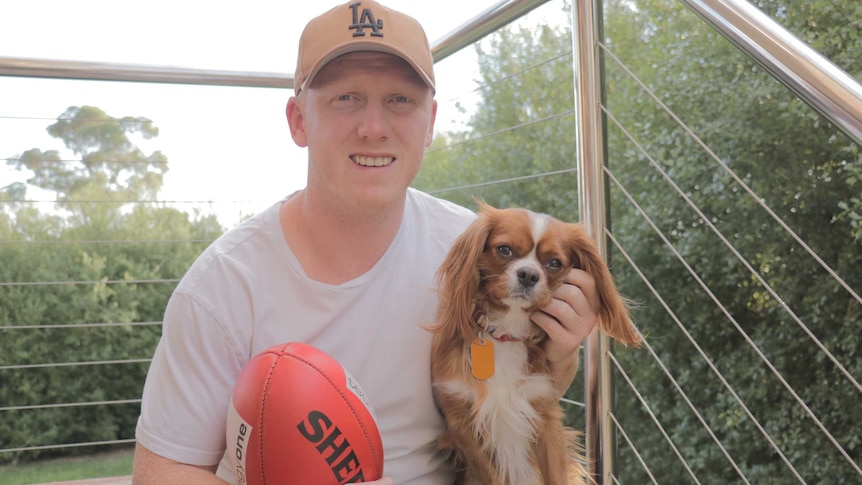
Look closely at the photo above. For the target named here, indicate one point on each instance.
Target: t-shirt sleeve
(188, 386)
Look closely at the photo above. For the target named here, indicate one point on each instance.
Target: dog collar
(479, 318)
(503, 338)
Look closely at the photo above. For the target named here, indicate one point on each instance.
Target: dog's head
(512, 260)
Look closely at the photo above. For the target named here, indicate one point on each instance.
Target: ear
(429, 137)
(296, 121)
(614, 317)
(458, 279)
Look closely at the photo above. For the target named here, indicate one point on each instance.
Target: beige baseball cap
(361, 25)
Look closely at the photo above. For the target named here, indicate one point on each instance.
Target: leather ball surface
(297, 417)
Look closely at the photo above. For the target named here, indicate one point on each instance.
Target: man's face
(366, 119)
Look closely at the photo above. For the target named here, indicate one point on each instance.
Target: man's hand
(568, 320)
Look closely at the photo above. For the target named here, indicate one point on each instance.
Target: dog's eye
(554, 264)
(505, 251)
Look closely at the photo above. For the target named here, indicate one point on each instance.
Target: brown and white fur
(508, 429)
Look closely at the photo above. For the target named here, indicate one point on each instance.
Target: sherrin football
(297, 417)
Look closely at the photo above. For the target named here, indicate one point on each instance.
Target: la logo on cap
(365, 20)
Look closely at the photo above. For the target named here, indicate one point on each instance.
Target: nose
(374, 123)
(528, 277)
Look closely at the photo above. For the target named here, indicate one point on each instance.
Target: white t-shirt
(247, 292)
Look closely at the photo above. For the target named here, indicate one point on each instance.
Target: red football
(297, 416)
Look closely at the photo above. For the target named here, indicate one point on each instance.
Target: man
(346, 264)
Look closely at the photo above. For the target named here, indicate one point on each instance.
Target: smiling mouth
(372, 161)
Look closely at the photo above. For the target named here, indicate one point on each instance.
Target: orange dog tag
(482, 358)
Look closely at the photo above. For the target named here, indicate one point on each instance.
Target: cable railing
(750, 342)
(815, 79)
(787, 70)
(640, 439)
(694, 343)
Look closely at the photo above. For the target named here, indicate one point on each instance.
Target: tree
(519, 150)
(87, 283)
(110, 164)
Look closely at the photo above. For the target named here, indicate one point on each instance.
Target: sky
(224, 144)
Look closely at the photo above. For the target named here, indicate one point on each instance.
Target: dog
(504, 423)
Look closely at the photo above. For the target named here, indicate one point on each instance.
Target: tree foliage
(519, 150)
(729, 291)
(86, 284)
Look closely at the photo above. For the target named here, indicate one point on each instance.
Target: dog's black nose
(528, 277)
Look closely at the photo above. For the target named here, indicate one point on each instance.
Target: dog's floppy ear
(458, 280)
(614, 317)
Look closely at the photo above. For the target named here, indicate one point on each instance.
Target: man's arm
(151, 468)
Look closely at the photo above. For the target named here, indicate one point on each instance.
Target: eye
(505, 251)
(400, 103)
(345, 98)
(554, 264)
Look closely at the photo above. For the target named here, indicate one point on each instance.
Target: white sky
(222, 143)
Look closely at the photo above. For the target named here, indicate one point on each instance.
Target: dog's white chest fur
(506, 420)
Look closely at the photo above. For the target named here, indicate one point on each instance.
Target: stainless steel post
(591, 189)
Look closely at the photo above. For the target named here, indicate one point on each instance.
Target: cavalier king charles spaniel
(491, 378)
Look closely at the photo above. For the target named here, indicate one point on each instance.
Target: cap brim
(363, 47)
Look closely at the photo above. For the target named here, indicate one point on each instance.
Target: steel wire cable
(632, 447)
(736, 178)
(741, 258)
(653, 417)
(67, 445)
(730, 318)
(69, 405)
(664, 368)
(733, 321)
